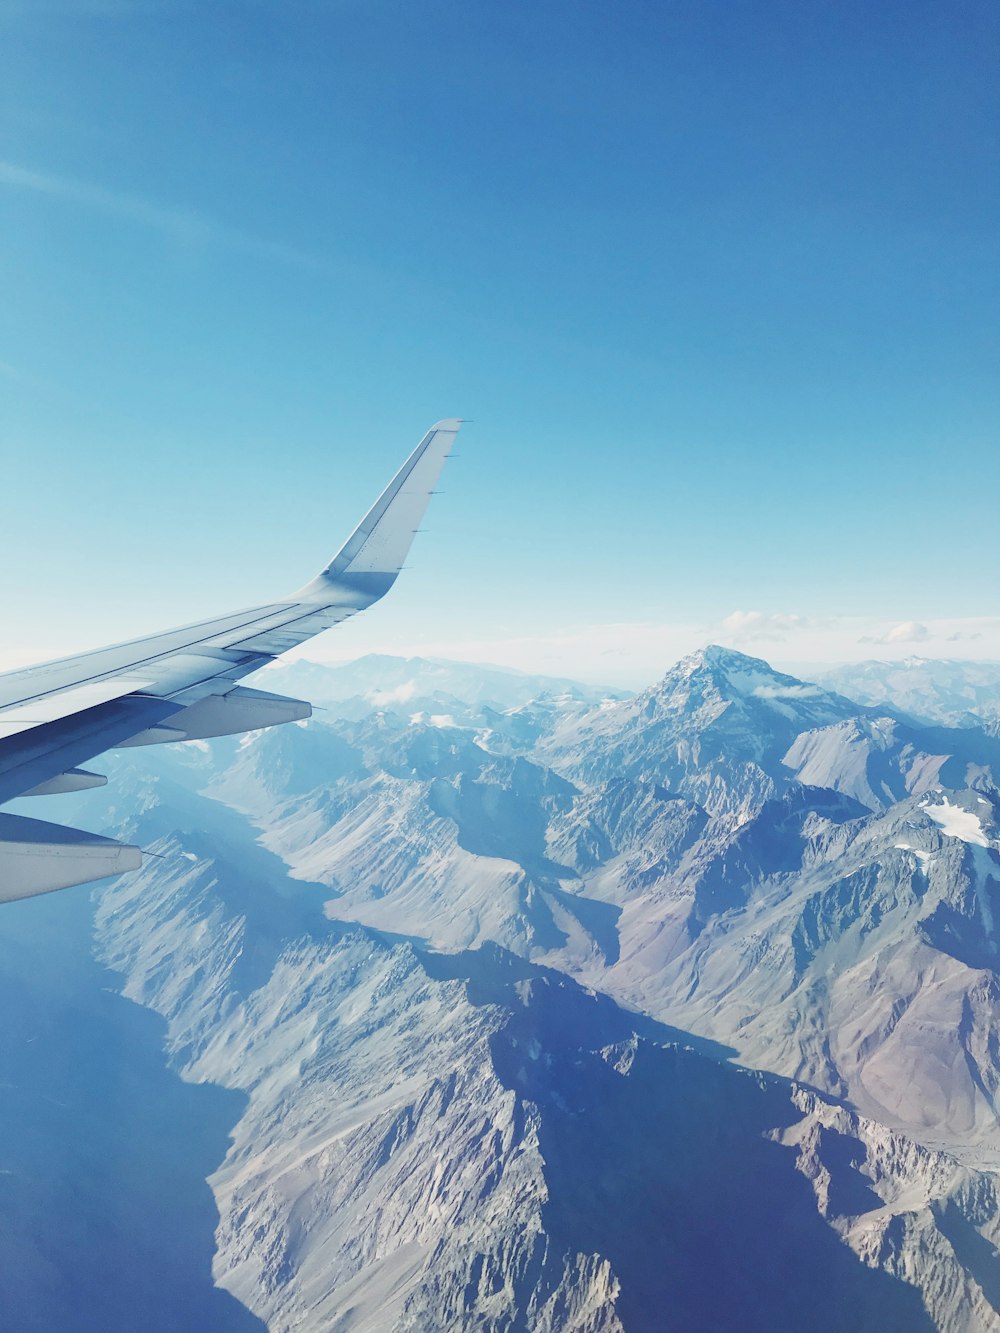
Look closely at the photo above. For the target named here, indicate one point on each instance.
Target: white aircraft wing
(180, 685)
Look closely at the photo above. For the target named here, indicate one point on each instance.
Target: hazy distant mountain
(414, 684)
(475, 979)
(956, 693)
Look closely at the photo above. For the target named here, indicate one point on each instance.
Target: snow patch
(923, 857)
(435, 720)
(958, 823)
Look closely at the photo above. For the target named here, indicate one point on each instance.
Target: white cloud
(907, 631)
(744, 626)
(787, 691)
(398, 695)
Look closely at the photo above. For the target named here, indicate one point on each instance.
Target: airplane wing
(181, 685)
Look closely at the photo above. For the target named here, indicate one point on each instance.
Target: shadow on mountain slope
(493, 973)
(664, 1162)
(973, 1251)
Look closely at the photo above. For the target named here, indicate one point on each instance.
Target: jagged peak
(734, 672)
(715, 655)
(723, 677)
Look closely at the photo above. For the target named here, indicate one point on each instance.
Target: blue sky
(715, 281)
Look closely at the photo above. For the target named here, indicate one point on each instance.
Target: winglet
(373, 555)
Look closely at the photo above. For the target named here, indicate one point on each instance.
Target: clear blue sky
(716, 281)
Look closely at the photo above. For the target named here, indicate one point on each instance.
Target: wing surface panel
(32, 682)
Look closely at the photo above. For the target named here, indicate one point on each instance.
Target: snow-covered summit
(724, 673)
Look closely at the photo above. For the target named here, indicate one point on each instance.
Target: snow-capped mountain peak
(731, 675)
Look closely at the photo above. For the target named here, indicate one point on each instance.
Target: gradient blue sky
(716, 281)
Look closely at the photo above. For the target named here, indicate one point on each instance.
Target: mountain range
(524, 1006)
